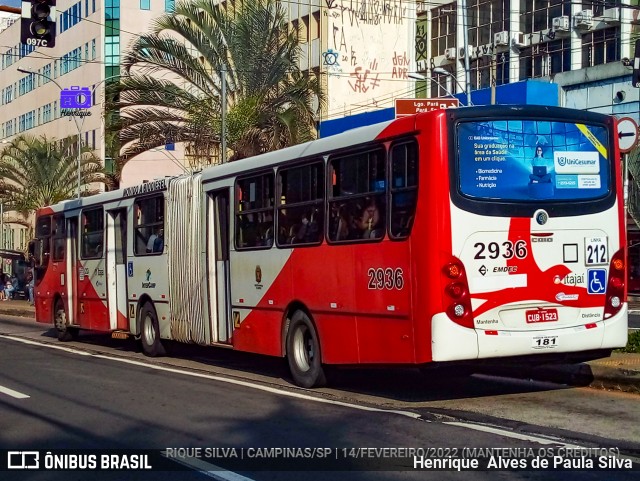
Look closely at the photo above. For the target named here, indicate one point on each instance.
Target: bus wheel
(150, 332)
(303, 352)
(65, 333)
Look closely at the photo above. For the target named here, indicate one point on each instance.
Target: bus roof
(359, 135)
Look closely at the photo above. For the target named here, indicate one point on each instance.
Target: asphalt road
(94, 398)
(82, 402)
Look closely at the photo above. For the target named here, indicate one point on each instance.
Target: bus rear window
(533, 160)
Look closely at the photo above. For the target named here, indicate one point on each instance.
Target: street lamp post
(79, 153)
(78, 126)
(441, 71)
(422, 78)
(223, 79)
(465, 41)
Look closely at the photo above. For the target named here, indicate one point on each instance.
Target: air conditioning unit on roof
(518, 39)
(611, 15)
(560, 24)
(501, 38)
(462, 51)
(451, 53)
(583, 19)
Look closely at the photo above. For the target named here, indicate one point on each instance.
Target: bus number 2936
(385, 278)
(508, 249)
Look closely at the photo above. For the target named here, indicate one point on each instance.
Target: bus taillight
(615, 285)
(456, 293)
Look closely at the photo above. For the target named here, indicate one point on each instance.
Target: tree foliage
(36, 172)
(172, 90)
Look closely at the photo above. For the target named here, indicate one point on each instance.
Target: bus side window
(149, 225)
(92, 233)
(43, 234)
(300, 219)
(254, 212)
(59, 238)
(404, 188)
(357, 202)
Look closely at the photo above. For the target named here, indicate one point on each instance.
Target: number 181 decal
(385, 278)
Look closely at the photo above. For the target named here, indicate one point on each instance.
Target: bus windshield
(531, 160)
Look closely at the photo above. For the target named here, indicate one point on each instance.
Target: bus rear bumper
(452, 342)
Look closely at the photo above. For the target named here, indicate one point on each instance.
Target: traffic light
(38, 23)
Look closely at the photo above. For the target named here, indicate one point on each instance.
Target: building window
(545, 59)
(112, 51)
(169, 5)
(145, 4)
(443, 28)
(485, 18)
(602, 46)
(599, 6)
(537, 15)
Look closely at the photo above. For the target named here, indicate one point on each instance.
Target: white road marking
(12, 393)
(214, 377)
(44, 344)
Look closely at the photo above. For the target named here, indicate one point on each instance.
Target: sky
(11, 3)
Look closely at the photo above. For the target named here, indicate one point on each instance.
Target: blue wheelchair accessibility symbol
(596, 281)
(130, 269)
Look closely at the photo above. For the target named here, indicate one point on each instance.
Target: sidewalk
(17, 308)
(620, 372)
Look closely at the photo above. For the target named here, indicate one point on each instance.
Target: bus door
(116, 268)
(218, 265)
(71, 269)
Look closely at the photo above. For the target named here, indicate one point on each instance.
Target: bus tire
(65, 333)
(303, 352)
(150, 332)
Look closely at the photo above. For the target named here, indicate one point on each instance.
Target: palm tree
(172, 91)
(36, 172)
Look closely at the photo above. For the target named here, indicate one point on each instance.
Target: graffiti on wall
(367, 56)
(367, 12)
(361, 79)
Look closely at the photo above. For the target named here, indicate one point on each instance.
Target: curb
(580, 375)
(18, 313)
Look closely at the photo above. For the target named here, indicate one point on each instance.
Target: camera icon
(75, 98)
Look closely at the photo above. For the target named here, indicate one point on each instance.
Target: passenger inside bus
(369, 219)
(155, 243)
(344, 220)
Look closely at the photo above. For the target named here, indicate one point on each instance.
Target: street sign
(627, 134)
(416, 106)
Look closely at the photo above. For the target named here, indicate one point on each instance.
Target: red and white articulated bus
(455, 235)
